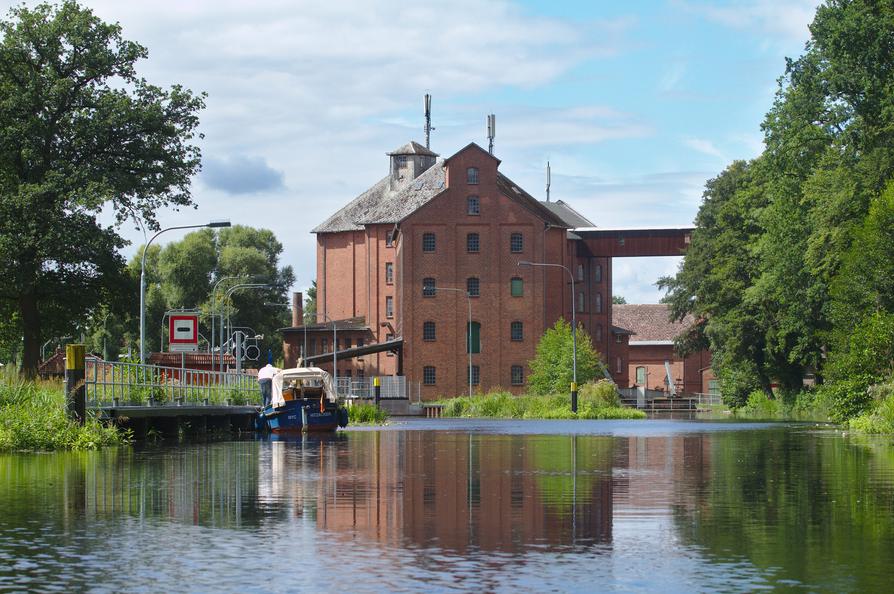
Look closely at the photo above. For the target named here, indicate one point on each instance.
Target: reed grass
(363, 413)
(33, 417)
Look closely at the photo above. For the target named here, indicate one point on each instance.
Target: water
(455, 506)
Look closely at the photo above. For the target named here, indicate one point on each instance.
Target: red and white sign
(184, 333)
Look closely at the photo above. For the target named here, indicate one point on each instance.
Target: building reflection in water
(457, 491)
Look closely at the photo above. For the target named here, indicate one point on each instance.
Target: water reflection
(769, 507)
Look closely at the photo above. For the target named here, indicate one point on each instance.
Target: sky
(634, 104)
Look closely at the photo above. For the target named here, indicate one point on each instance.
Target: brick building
(394, 266)
(652, 344)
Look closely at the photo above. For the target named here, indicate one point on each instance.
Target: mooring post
(377, 389)
(75, 388)
(574, 397)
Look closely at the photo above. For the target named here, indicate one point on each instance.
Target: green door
(473, 338)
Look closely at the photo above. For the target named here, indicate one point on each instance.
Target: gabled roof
(413, 148)
(474, 145)
(571, 217)
(649, 321)
(381, 205)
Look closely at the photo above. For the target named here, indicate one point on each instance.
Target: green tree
(310, 304)
(552, 366)
(79, 130)
(619, 300)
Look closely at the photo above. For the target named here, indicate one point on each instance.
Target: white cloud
(705, 147)
(785, 20)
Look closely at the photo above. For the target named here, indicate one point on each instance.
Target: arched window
(517, 377)
(598, 302)
(473, 243)
(516, 331)
(428, 375)
(473, 286)
(597, 273)
(581, 301)
(598, 332)
(516, 243)
(473, 338)
(429, 331)
(475, 375)
(473, 205)
(641, 376)
(472, 175)
(428, 242)
(517, 287)
(428, 287)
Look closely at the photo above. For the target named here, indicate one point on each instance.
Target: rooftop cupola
(409, 162)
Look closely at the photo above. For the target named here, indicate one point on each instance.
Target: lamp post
(229, 292)
(334, 353)
(573, 328)
(468, 328)
(212, 224)
(213, 323)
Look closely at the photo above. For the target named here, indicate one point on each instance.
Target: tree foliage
(79, 130)
(792, 250)
(552, 366)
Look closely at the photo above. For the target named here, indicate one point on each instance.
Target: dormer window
(472, 175)
(401, 160)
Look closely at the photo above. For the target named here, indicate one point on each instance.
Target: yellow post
(377, 389)
(75, 389)
(574, 397)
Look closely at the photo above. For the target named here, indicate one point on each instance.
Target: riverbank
(592, 404)
(33, 417)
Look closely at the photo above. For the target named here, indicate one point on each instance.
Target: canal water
(461, 505)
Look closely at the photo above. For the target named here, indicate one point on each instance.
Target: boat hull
(296, 416)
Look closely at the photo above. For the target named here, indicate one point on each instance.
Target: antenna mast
(548, 178)
(491, 132)
(428, 127)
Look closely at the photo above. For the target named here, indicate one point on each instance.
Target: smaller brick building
(651, 344)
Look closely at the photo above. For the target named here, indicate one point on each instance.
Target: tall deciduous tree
(552, 366)
(79, 129)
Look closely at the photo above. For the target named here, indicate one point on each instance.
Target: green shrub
(366, 413)
(603, 393)
(33, 417)
(880, 417)
(596, 401)
(552, 368)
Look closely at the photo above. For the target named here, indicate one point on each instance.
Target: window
(401, 160)
(619, 338)
(389, 337)
(389, 273)
(475, 376)
(472, 175)
(517, 375)
(618, 365)
(473, 287)
(324, 345)
(641, 376)
(517, 287)
(714, 387)
(428, 242)
(473, 338)
(598, 302)
(389, 306)
(580, 272)
(428, 375)
(428, 331)
(473, 242)
(473, 205)
(598, 332)
(580, 301)
(428, 287)
(597, 273)
(359, 342)
(516, 243)
(389, 239)
(517, 331)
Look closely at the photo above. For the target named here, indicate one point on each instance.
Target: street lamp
(213, 323)
(334, 353)
(468, 329)
(229, 292)
(573, 329)
(212, 224)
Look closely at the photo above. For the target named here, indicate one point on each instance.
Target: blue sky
(635, 104)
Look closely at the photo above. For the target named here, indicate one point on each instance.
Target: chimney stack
(297, 309)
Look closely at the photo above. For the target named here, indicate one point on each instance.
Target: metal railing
(708, 399)
(392, 388)
(113, 383)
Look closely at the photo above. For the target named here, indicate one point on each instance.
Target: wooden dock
(172, 419)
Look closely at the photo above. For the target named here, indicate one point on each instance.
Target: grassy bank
(33, 417)
(807, 405)
(595, 401)
(362, 413)
(880, 416)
